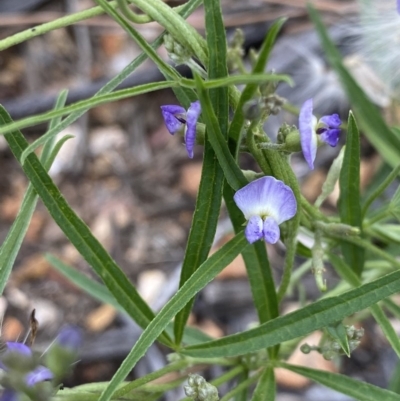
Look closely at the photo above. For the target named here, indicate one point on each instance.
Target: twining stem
(52, 25)
(138, 18)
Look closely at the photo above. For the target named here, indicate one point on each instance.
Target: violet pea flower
(36, 375)
(265, 203)
(327, 128)
(175, 117)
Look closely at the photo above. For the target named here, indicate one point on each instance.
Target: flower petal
(308, 137)
(40, 374)
(254, 229)
(169, 113)
(19, 348)
(70, 337)
(192, 116)
(9, 395)
(331, 121)
(331, 136)
(271, 230)
(265, 197)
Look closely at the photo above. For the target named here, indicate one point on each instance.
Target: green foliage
(360, 241)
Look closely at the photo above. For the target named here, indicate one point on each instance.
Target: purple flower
(398, 6)
(18, 359)
(265, 203)
(39, 374)
(328, 128)
(175, 117)
(9, 395)
(70, 337)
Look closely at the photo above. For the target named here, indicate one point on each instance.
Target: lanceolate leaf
(209, 198)
(266, 387)
(250, 89)
(233, 174)
(299, 323)
(354, 388)
(202, 231)
(78, 233)
(349, 201)
(11, 245)
(199, 279)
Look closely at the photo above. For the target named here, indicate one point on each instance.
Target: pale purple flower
(70, 338)
(265, 203)
(36, 375)
(328, 128)
(398, 6)
(175, 117)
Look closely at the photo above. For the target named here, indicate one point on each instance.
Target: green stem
(368, 246)
(313, 213)
(175, 25)
(378, 191)
(176, 366)
(241, 386)
(52, 25)
(254, 149)
(138, 18)
(381, 215)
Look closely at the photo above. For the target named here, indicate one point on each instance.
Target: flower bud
(64, 352)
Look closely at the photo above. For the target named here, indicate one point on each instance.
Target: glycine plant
(263, 207)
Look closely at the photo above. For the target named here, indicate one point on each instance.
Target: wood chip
(190, 178)
(12, 329)
(99, 319)
(34, 267)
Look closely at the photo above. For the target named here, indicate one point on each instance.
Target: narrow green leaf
(338, 332)
(250, 90)
(331, 179)
(392, 307)
(241, 395)
(188, 8)
(100, 292)
(343, 269)
(394, 384)
(381, 188)
(266, 386)
(78, 233)
(209, 197)
(12, 244)
(202, 231)
(368, 116)
(347, 274)
(387, 328)
(217, 67)
(233, 174)
(301, 322)
(354, 388)
(184, 95)
(88, 103)
(93, 288)
(200, 278)
(180, 29)
(349, 201)
(240, 79)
